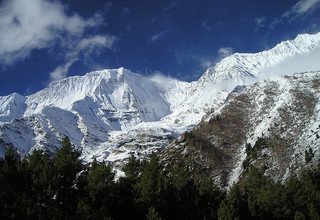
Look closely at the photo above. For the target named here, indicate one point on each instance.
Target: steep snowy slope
(240, 68)
(278, 117)
(11, 107)
(210, 91)
(110, 114)
(118, 91)
(85, 108)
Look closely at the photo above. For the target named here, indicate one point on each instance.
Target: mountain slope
(111, 114)
(241, 67)
(274, 123)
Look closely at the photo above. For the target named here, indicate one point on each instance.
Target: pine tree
(299, 216)
(153, 214)
(132, 168)
(11, 185)
(38, 170)
(67, 166)
(126, 196)
(99, 189)
(234, 206)
(149, 183)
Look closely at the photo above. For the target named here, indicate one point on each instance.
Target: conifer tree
(11, 185)
(153, 214)
(67, 166)
(38, 170)
(99, 188)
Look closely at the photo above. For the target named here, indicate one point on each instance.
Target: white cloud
(158, 36)
(163, 80)
(275, 22)
(206, 26)
(295, 64)
(302, 7)
(31, 25)
(98, 39)
(61, 71)
(84, 47)
(225, 51)
(206, 62)
(259, 22)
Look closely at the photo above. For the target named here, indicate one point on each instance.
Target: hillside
(274, 123)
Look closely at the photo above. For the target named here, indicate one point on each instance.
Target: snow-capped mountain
(238, 67)
(12, 107)
(110, 114)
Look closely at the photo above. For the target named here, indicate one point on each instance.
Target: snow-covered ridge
(113, 90)
(112, 113)
(11, 107)
(241, 66)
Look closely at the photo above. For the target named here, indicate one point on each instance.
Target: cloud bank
(295, 64)
(31, 25)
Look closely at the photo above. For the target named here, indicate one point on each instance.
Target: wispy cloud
(206, 62)
(206, 26)
(61, 71)
(259, 22)
(225, 51)
(83, 48)
(158, 36)
(124, 11)
(31, 25)
(301, 8)
(162, 79)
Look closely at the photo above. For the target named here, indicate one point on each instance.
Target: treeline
(62, 187)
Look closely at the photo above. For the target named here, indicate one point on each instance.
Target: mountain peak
(11, 107)
(241, 67)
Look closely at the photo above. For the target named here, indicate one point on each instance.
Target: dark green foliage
(299, 216)
(262, 194)
(38, 171)
(153, 214)
(132, 168)
(61, 187)
(66, 167)
(253, 152)
(215, 118)
(257, 196)
(96, 186)
(150, 183)
(234, 206)
(308, 155)
(11, 185)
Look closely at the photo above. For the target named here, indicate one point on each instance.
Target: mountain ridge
(111, 114)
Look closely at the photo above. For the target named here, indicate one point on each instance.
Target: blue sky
(43, 40)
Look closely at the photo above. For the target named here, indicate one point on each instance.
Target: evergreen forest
(61, 186)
